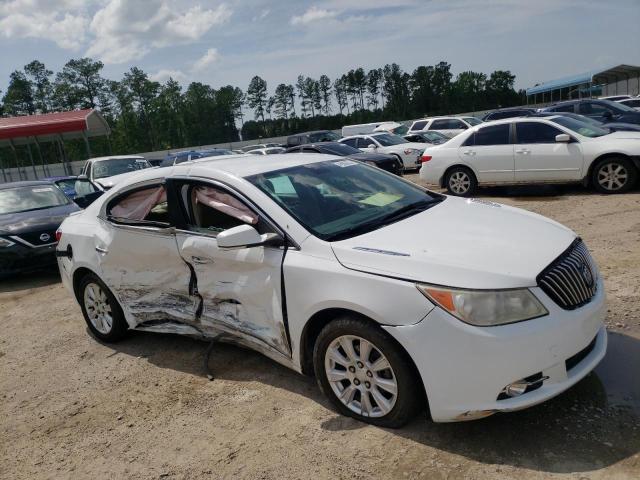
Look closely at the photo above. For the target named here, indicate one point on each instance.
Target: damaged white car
(396, 298)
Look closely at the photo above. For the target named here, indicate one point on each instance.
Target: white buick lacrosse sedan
(394, 297)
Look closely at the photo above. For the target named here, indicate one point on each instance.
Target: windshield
(617, 107)
(401, 130)
(388, 139)
(583, 118)
(583, 128)
(215, 153)
(35, 197)
(339, 199)
(324, 137)
(116, 166)
(341, 149)
(76, 187)
(473, 121)
(434, 136)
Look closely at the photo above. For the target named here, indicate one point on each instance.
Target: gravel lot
(75, 408)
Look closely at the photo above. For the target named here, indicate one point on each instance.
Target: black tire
(614, 175)
(409, 396)
(118, 328)
(461, 182)
(402, 167)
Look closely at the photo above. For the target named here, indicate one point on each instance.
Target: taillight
(58, 235)
(425, 158)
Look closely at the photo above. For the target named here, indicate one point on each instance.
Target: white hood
(620, 134)
(463, 243)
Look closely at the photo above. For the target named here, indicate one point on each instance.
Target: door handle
(469, 152)
(102, 250)
(523, 151)
(200, 260)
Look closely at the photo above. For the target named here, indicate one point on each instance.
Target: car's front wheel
(461, 181)
(101, 310)
(365, 374)
(614, 175)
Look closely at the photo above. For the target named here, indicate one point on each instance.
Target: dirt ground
(143, 408)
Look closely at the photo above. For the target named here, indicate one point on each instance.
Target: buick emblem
(45, 237)
(587, 275)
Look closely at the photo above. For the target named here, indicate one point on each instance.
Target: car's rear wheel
(101, 310)
(365, 374)
(461, 181)
(614, 175)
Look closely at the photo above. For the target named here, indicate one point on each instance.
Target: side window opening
(213, 210)
(144, 205)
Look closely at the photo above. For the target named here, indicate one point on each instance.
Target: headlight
(486, 308)
(5, 243)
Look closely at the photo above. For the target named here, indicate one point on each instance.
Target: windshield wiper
(404, 212)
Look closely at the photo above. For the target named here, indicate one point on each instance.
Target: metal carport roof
(58, 127)
(620, 72)
(52, 126)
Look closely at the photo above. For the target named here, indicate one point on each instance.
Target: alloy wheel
(360, 376)
(98, 308)
(459, 182)
(612, 176)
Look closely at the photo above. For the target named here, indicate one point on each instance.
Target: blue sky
(227, 42)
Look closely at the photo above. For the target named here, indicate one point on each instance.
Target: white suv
(408, 153)
(449, 126)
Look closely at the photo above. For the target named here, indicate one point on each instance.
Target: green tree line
(146, 115)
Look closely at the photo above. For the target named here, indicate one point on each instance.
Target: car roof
(515, 119)
(61, 177)
(510, 109)
(309, 132)
(360, 135)
(114, 157)
(318, 144)
(246, 165)
(24, 183)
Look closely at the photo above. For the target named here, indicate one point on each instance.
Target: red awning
(47, 127)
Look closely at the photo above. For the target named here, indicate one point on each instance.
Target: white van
(365, 128)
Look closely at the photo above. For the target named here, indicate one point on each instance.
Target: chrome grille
(571, 280)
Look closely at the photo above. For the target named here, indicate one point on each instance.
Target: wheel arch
(78, 275)
(635, 161)
(456, 165)
(321, 318)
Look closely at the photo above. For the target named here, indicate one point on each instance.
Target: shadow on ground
(27, 281)
(593, 425)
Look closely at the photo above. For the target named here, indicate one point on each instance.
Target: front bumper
(465, 368)
(19, 258)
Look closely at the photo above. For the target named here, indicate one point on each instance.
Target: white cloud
(165, 74)
(127, 30)
(206, 60)
(313, 14)
(195, 22)
(42, 19)
(262, 15)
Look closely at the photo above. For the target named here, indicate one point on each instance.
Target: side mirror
(563, 137)
(607, 114)
(245, 236)
(371, 145)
